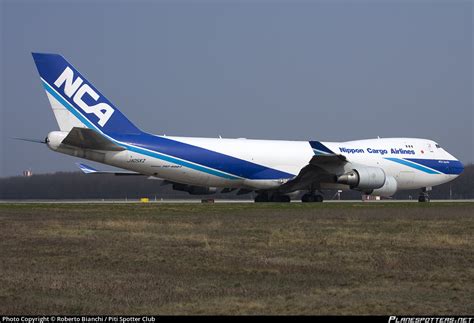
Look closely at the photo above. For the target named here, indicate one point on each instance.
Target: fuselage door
(430, 148)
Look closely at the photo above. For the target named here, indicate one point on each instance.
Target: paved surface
(216, 201)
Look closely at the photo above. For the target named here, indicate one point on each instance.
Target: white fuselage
(289, 157)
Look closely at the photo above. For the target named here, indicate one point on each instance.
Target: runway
(199, 201)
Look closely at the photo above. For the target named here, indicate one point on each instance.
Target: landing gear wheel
(260, 198)
(309, 198)
(424, 197)
(281, 198)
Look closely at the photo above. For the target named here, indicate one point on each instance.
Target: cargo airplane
(92, 128)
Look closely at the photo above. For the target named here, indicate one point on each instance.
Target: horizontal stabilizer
(86, 169)
(31, 140)
(89, 139)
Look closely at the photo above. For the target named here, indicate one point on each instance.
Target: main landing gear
(312, 197)
(281, 198)
(424, 197)
(275, 197)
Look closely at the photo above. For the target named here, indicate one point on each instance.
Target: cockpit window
(438, 146)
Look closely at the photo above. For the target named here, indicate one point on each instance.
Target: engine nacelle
(194, 190)
(363, 178)
(54, 139)
(388, 189)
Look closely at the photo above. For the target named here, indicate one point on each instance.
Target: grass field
(347, 258)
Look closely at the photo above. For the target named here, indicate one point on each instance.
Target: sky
(312, 70)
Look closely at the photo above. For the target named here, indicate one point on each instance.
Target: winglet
(320, 149)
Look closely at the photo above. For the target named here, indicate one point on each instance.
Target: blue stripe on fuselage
(412, 165)
(202, 156)
(431, 166)
(450, 167)
(208, 161)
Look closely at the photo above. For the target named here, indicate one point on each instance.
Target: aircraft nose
(461, 167)
(457, 167)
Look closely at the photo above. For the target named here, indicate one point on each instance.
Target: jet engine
(194, 190)
(363, 178)
(388, 189)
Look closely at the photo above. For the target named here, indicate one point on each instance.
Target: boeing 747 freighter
(91, 127)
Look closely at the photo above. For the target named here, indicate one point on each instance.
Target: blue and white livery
(91, 127)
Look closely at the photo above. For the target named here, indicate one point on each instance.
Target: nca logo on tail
(102, 110)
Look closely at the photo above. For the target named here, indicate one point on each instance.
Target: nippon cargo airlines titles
(393, 151)
(92, 128)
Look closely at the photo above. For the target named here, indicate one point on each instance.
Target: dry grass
(237, 259)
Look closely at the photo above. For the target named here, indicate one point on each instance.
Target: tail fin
(75, 101)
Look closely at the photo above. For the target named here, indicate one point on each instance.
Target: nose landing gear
(424, 196)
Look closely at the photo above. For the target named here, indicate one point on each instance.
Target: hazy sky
(321, 70)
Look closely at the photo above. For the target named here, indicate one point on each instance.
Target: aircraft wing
(89, 139)
(314, 173)
(329, 159)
